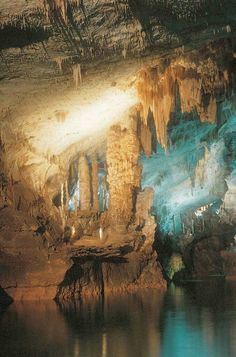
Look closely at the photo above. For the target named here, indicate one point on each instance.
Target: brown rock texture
(31, 268)
(126, 266)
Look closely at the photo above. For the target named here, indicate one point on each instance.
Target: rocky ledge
(34, 269)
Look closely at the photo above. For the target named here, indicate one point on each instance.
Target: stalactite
(85, 187)
(76, 69)
(95, 184)
(157, 94)
(190, 93)
(59, 61)
(195, 82)
(146, 139)
(58, 5)
(209, 113)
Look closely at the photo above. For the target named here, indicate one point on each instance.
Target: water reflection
(125, 325)
(199, 320)
(196, 320)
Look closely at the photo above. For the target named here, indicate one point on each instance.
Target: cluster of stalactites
(196, 85)
(60, 6)
(158, 95)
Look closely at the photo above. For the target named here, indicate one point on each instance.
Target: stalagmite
(84, 179)
(144, 203)
(95, 184)
(123, 173)
(209, 113)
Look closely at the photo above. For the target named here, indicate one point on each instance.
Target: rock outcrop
(116, 266)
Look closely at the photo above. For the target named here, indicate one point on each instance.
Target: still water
(196, 320)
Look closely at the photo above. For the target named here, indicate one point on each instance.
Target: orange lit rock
(193, 80)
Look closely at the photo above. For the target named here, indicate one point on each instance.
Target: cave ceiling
(69, 68)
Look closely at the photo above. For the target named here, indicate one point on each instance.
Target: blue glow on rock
(193, 171)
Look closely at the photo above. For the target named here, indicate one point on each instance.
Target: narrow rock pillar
(85, 183)
(95, 184)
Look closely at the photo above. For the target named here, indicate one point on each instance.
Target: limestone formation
(146, 139)
(123, 173)
(190, 82)
(85, 182)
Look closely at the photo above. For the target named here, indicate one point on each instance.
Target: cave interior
(118, 145)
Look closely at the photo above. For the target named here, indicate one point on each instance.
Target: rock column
(85, 186)
(123, 173)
